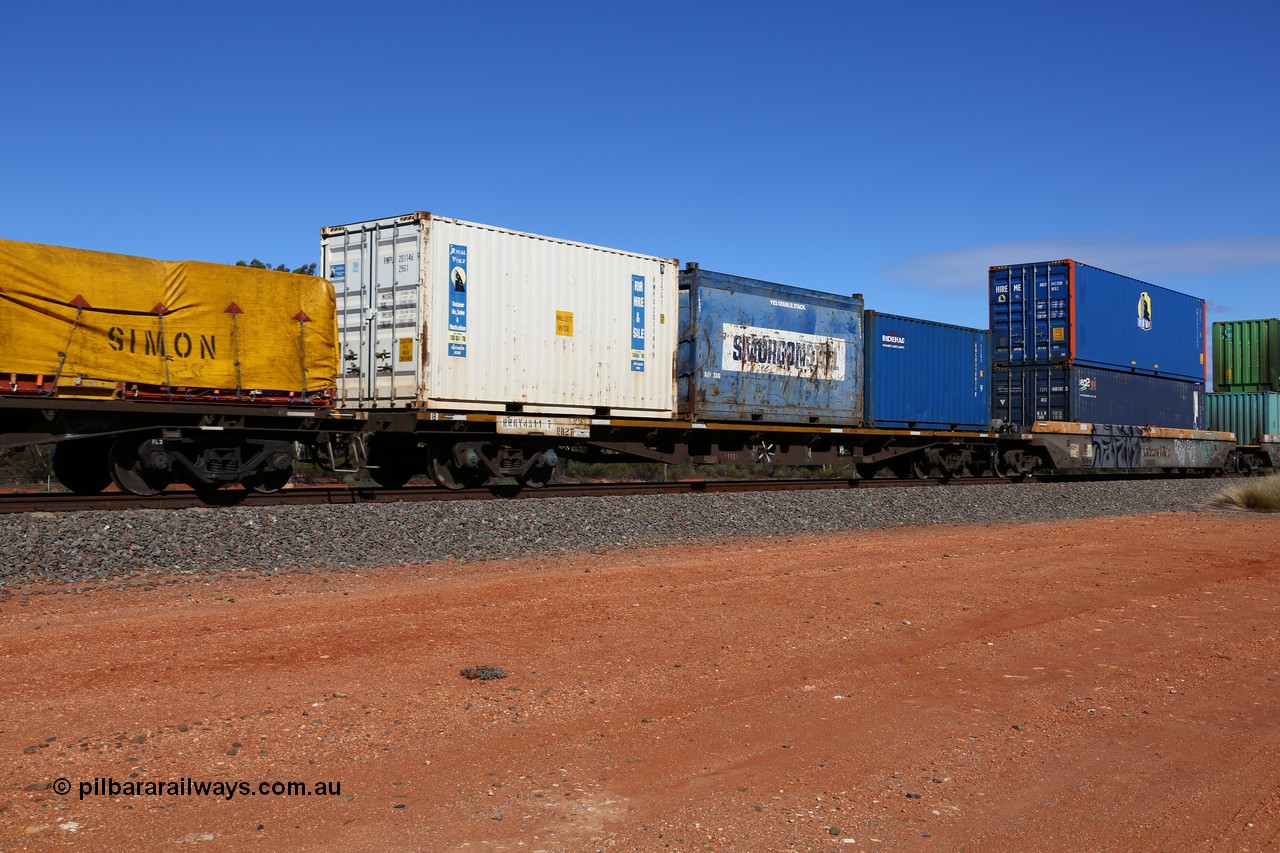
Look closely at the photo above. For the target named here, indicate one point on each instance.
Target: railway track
(19, 502)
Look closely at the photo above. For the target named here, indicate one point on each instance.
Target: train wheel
(390, 463)
(1241, 463)
(81, 466)
(541, 471)
(448, 474)
(128, 472)
(867, 471)
(911, 468)
(538, 476)
(390, 477)
(535, 479)
(268, 482)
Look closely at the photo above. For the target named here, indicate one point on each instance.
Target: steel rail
(18, 502)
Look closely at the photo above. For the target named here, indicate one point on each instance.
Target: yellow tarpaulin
(81, 315)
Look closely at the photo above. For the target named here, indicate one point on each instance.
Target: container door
(1053, 314)
(1007, 332)
(1031, 313)
(375, 270)
(1052, 394)
(1021, 396)
(1246, 355)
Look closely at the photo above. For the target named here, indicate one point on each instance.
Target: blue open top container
(753, 350)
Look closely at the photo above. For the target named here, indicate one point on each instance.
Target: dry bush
(1252, 495)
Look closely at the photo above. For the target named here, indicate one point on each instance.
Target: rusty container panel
(926, 375)
(441, 314)
(753, 350)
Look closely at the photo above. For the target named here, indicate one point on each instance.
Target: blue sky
(896, 150)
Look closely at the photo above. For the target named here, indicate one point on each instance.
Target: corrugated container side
(1246, 355)
(925, 375)
(439, 313)
(758, 351)
(1250, 415)
(1060, 312)
(1023, 395)
(82, 320)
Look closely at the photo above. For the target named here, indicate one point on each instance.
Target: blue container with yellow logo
(1065, 312)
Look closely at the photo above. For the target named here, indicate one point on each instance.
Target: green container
(1246, 355)
(1250, 415)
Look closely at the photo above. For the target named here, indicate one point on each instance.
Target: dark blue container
(1023, 395)
(756, 351)
(1066, 312)
(925, 375)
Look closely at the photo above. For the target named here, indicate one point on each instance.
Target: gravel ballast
(101, 548)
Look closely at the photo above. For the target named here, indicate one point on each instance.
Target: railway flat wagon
(1074, 446)
(142, 372)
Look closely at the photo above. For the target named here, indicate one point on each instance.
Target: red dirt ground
(1100, 684)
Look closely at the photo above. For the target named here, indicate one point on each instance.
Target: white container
(437, 313)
